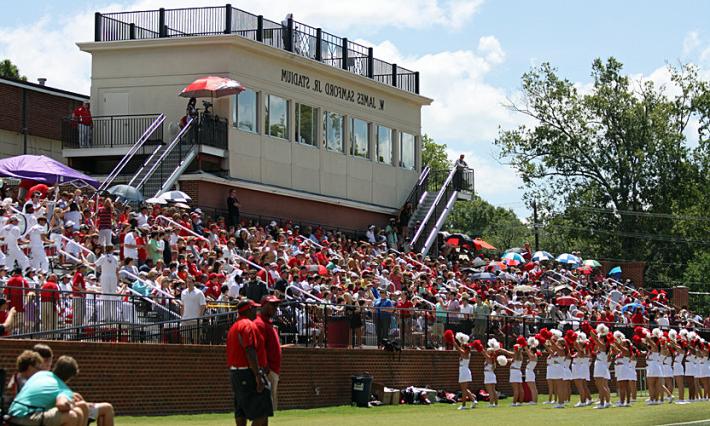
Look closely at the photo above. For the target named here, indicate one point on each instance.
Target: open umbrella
(482, 245)
(515, 250)
(541, 256)
(586, 269)
(524, 288)
(616, 270)
(593, 263)
(40, 187)
(126, 193)
(566, 301)
(155, 200)
(496, 266)
(211, 87)
(511, 255)
(43, 170)
(182, 206)
(478, 262)
(485, 276)
(175, 197)
(511, 262)
(459, 240)
(506, 276)
(569, 259)
(633, 307)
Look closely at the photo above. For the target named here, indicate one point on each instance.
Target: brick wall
(629, 270)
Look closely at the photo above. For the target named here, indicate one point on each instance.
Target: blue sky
(471, 53)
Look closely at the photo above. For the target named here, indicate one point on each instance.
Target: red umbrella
(566, 301)
(529, 266)
(480, 244)
(586, 269)
(211, 87)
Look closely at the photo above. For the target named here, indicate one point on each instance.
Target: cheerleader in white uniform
(654, 367)
(678, 371)
(621, 350)
(533, 354)
(601, 364)
(516, 370)
(489, 375)
(667, 368)
(549, 372)
(691, 366)
(704, 368)
(462, 346)
(559, 370)
(633, 361)
(580, 369)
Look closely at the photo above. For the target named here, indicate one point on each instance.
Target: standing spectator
(383, 314)
(15, 291)
(272, 345)
(6, 320)
(82, 117)
(130, 244)
(458, 176)
(78, 284)
(193, 307)
(232, 209)
(37, 236)
(105, 222)
(49, 298)
(245, 358)
(481, 311)
(255, 289)
(405, 308)
(391, 233)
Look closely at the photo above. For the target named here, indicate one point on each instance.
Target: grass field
(444, 414)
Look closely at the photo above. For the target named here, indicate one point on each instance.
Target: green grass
(445, 414)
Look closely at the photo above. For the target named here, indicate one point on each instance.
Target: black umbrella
(483, 276)
(459, 240)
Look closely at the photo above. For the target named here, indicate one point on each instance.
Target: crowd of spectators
(187, 264)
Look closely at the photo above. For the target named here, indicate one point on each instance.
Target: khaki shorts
(51, 417)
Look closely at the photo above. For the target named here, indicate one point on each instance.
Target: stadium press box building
(324, 132)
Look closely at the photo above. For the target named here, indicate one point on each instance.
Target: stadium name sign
(330, 89)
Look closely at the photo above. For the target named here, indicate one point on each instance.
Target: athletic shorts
(51, 417)
(248, 403)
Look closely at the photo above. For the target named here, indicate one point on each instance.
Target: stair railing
(432, 209)
(165, 152)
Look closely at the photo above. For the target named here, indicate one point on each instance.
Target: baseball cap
(246, 305)
(270, 299)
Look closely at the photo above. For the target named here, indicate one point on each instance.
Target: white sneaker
(463, 407)
(579, 404)
(559, 406)
(548, 402)
(492, 405)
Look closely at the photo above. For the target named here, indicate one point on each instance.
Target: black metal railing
(211, 131)
(109, 131)
(290, 35)
(415, 197)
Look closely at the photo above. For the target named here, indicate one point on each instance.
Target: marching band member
(37, 236)
(11, 233)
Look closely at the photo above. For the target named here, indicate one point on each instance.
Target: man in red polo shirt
(272, 345)
(246, 357)
(15, 291)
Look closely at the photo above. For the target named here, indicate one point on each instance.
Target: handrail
(184, 228)
(165, 153)
(131, 152)
(145, 164)
(433, 206)
(148, 284)
(439, 223)
(180, 164)
(69, 240)
(320, 246)
(302, 291)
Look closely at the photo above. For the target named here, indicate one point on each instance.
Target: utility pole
(537, 233)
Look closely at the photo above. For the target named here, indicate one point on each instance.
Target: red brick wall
(44, 111)
(631, 270)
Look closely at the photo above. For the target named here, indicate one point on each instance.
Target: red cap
(270, 299)
(247, 305)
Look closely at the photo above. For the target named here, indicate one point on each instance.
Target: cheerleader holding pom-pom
(621, 349)
(516, 370)
(489, 375)
(678, 346)
(580, 369)
(464, 350)
(533, 354)
(602, 340)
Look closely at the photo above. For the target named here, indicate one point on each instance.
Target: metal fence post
(416, 82)
(260, 28)
(132, 31)
(162, 29)
(289, 35)
(97, 26)
(394, 75)
(319, 45)
(344, 65)
(111, 132)
(228, 19)
(370, 62)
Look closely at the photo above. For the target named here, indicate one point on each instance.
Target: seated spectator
(28, 363)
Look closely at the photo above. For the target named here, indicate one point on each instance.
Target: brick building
(31, 118)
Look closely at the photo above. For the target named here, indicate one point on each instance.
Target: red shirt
(272, 345)
(82, 115)
(250, 337)
(214, 290)
(406, 306)
(16, 295)
(78, 285)
(49, 292)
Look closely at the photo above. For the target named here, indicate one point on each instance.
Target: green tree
(611, 169)
(9, 70)
(434, 154)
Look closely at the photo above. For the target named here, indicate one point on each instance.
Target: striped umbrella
(569, 259)
(511, 255)
(511, 262)
(541, 256)
(593, 263)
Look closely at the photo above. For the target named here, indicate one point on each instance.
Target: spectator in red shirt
(246, 357)
(14, 292)
(78, 285)
(82, 116)
(49, 297)
(105, 222)
(404, 306)
(272, 345)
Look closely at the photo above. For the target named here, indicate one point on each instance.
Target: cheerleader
(550, 369)
(654, 366)
(677, 367)
(601, 340)
(489, 375)
(533, 354)
(633, 361)
(556, 344)
(667, 368)
(691, 366)
(580, 369)
(516, 370)
(462, 346)
(621, 349)
(704, 368)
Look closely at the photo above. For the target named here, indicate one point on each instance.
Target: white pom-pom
(602, 330)
(462, 338)
(582, 337)
(502, 360)
(493, 344)
(555, 332)
(533, 342)
(683, 333)
(673, 335)
(657, 333)
(619, 335)
(692, 335)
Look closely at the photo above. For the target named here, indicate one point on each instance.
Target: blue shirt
(39, 393)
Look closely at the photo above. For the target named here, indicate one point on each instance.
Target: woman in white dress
(678, 371)
(691, 366)
(667, 354)
(532, 354)
(516, 370)
(621, 351)
(601, 365)
(462, 346)
(580, 369)
(559, 373)
(654, 367)
(489, 375)
(704, 367)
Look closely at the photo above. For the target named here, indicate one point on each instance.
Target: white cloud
(490, 47)
(691, 42)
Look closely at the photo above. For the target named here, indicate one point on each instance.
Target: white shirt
(466, 309)
(12, 234)
(130, 239)
(192, 300)
(35, 233)
(142, 219)
(109, 267)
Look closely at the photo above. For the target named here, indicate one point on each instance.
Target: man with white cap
(11, 233)
(108, 266)
(38, 236)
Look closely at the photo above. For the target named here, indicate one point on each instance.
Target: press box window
(384, 144)
(306, 124)
(276, 120)
(359, 138)
(244, 107)
(406, 149)
(333, 131)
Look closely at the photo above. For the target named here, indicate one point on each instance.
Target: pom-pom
(555, 332)
(636, 339)
(683, 333)
(692, 335)
(570, 337)
(586, 327)
(462, 338)
(640, 331)
(610, 339)
(521, 341)
(602, 330)
(581, 337)
(502, 360)
(477, 346)
(533, 342)
(618, 335)
(657, 333)
(545, 333)
(540, 338)
(493, 344)
(449, 337)
(673, 335)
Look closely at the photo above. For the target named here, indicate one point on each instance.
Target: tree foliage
(612, 169)
(10, 70)
(434, 154)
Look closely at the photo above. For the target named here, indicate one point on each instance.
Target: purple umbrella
(42, 169)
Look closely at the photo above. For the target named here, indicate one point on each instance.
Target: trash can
(361, 389)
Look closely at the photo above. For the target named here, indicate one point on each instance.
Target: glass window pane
(333, 131)
(244, 106)
(306, 124)
(359, 138)
(406, 149)
(384, 144)
(276, 119)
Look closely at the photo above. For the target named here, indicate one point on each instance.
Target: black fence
(109, 131)
(209, 130)
(290, 35)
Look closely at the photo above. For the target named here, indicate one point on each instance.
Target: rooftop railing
(290, 35)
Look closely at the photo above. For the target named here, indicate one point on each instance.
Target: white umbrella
(182, 206)
(175, 197)
(156, 200)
